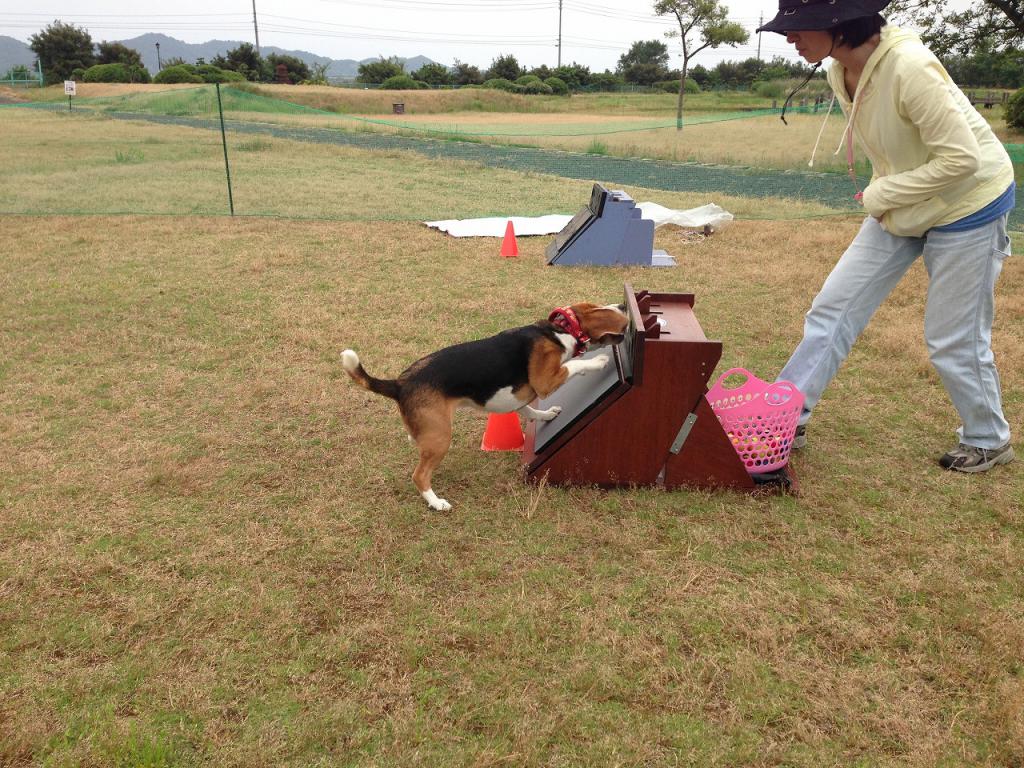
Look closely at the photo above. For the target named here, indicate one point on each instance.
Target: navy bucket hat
(814, 15)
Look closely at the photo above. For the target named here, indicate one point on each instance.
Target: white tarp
(495, 226)
(709, 214)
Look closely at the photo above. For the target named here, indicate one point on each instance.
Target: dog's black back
(476, 370)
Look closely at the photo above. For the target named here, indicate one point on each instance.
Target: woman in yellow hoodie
(942, 187)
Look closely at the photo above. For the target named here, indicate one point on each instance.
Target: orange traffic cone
(503, 433)
(509, 247)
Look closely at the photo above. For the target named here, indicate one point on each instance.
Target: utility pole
(159, 64)
(759, 24)
(559, 33)
(255, 27)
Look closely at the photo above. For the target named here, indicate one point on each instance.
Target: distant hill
(14, 52)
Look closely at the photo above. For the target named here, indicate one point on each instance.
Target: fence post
(224, 141)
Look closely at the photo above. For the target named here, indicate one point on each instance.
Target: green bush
(212, 74)
(501, 84)
(537, 88)
(1015, 110)
(527, 79)
(557, 85)
(769, 90)
(605, 81)
(181, 73)
(400, 83)
(672, 86)
(115, 73)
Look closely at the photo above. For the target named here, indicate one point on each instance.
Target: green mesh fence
(254, 114)
(201, 101)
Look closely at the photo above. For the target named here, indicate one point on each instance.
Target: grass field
(115, 166)
(212, 554)
(721, 127)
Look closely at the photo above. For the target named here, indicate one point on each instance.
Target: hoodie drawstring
(848, 140)
(817, 141)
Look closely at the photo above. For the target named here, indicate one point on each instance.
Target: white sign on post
(69, 87)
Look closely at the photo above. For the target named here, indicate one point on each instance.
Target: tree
(296, 68)
(993, 24)
(709, 19)
(433, 74)
(119, 53)
(466, 74)
(700, 75)
(576, 76)
(605, 81)
(62, 48)
(987, 69)
(318, 73)
(645, 63)
(506, 67)
(376, 72)
(245, 61)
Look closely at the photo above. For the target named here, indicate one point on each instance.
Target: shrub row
(202, 73)
(111, 73)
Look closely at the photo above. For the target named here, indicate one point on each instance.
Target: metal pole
(256, 28)
(559, 33)
(224, 141)
(159, 64)
(759, 37)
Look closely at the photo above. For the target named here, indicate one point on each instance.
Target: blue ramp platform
(610, 231)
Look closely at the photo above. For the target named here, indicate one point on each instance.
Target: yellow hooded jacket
(934, 158)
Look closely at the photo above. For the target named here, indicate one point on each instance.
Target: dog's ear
(604, 325)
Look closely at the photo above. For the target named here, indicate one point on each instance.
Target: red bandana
(565, 320)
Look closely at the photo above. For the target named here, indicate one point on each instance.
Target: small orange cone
(503, 433)
(509, 247)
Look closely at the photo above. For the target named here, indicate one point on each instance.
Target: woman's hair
(856, 32)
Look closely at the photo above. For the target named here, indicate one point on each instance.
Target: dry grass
(762, 142)
(625, 125)
(90, 164)
(212, 554)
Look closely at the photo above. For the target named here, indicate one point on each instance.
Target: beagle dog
(500, 374)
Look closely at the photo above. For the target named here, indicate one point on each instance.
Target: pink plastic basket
(759, 418)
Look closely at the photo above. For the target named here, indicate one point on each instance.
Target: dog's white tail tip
(349, 360)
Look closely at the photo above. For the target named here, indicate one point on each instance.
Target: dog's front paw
(601, 362)
(550, 413)
(436, 503)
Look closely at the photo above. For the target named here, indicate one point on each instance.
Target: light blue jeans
(962, 271)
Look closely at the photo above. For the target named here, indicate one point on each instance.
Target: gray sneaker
(968, 458)
(800, 438)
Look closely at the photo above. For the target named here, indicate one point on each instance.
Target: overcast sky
(594, 32)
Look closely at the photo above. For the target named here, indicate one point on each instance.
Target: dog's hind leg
(432, 430)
